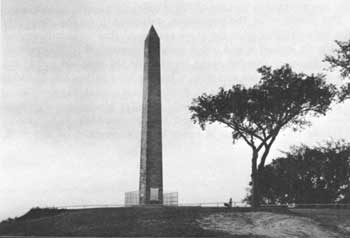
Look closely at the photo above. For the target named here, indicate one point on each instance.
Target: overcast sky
(71, 92)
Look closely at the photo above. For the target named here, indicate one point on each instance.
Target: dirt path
(266, 224)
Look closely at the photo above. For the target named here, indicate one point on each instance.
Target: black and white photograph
(178, 118)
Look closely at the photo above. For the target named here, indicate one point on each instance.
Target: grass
(142, 221)
(131, 221)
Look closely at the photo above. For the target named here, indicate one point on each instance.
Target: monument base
(169, 199)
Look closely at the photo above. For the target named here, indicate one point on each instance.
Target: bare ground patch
(266, 224)
(338, 219)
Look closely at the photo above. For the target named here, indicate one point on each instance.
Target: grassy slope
(134, 221)
(138, 221)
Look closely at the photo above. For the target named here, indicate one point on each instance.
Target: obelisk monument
(151, 174)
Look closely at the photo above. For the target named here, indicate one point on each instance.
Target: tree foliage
(309, 175)
(341, 60)
(281, 99)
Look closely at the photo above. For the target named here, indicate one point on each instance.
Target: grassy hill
(181, 221)
(130, 221)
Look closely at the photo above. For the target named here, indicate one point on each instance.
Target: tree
(308, 175)
(281, 99)
(341, 61)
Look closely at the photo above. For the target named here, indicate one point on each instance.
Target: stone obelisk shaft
(151, 175)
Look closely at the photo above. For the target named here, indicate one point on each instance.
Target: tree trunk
(255, 186)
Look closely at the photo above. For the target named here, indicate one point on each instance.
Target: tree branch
(236, 129)
(266, 152)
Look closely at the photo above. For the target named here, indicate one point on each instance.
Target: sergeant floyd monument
(151, 175)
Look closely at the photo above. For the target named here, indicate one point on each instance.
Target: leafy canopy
(341, 60)
(282, 98)
(319, 174)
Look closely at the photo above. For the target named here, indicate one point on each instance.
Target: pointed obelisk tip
(152, 32)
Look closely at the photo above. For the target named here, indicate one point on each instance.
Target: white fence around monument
(131, 198)
(169, 198)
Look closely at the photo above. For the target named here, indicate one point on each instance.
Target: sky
(71, 92)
